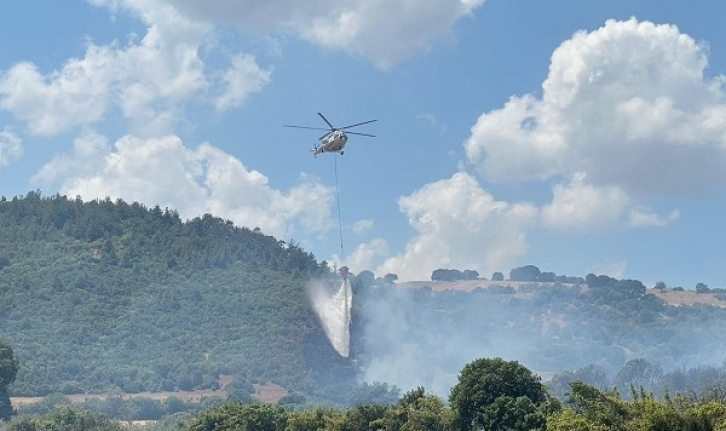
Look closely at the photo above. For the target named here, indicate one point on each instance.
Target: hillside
(423, 332)
(110, 296)
(670, 297)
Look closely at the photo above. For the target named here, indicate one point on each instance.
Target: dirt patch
(269, 393)
(161, 396)
(520, 289)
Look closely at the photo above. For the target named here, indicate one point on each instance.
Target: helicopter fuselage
(334, 140)
(333, 143)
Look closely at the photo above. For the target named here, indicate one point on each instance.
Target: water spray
(334, 310)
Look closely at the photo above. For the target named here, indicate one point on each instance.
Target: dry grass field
(268, 393)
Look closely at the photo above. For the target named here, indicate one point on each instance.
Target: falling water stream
(334, 313)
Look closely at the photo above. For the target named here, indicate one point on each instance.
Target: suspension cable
(337, 198)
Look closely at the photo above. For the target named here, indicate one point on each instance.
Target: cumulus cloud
(149, 80)
(582, 206)
(51, 103)
(365, 255)
(383, 31)
(163, 171)
(362, 226)
(629, 105)
(11, 146)
(627, 113)
(243, 78)
(578, 205)
(460, 225)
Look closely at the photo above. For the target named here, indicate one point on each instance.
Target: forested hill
(104, 295)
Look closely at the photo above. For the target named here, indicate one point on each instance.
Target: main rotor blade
(361, 134)
(326, 120)
(304, 127)
(325, 135)
(358, 124)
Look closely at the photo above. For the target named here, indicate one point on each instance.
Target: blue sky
(576, 136)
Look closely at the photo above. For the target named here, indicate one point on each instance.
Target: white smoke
(333, 309)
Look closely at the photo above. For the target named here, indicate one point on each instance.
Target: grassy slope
(101, 296)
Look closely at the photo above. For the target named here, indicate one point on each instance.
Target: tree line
(491, 394)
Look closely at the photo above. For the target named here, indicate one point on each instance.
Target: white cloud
(628, 105)
(460, 225)
(242, 79)
(383, 31)
(193, 181)
(150, 80)
(88, 158)
(365, 256)
(77, 94)
(11, 146)
(362, 226)
(434, 121)
(627, 113)
(644, 217)
(578, 205)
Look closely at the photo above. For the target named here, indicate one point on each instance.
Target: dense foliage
(106, 296)
(8, 372)
(489, 389)
(66, 419)
(101, 296)
(491, 394)
(453, 275)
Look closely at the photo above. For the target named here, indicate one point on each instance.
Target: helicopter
(333, 141)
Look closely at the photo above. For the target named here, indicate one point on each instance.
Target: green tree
(240, 389)
(592, 410)
(525, 273)
(240, 417)
(497, 276)
(8, 371)
(606, 409)
(630, 288)
(292, 399)
(308, 420)
(417, 411)
(66, 419)
(365, 279)
(702, 288)
(8, 365)
(390, 278)
(489, 390)
(638, 373)
(568, 420)
(361, 418)
(559, 384)
(508, 413)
